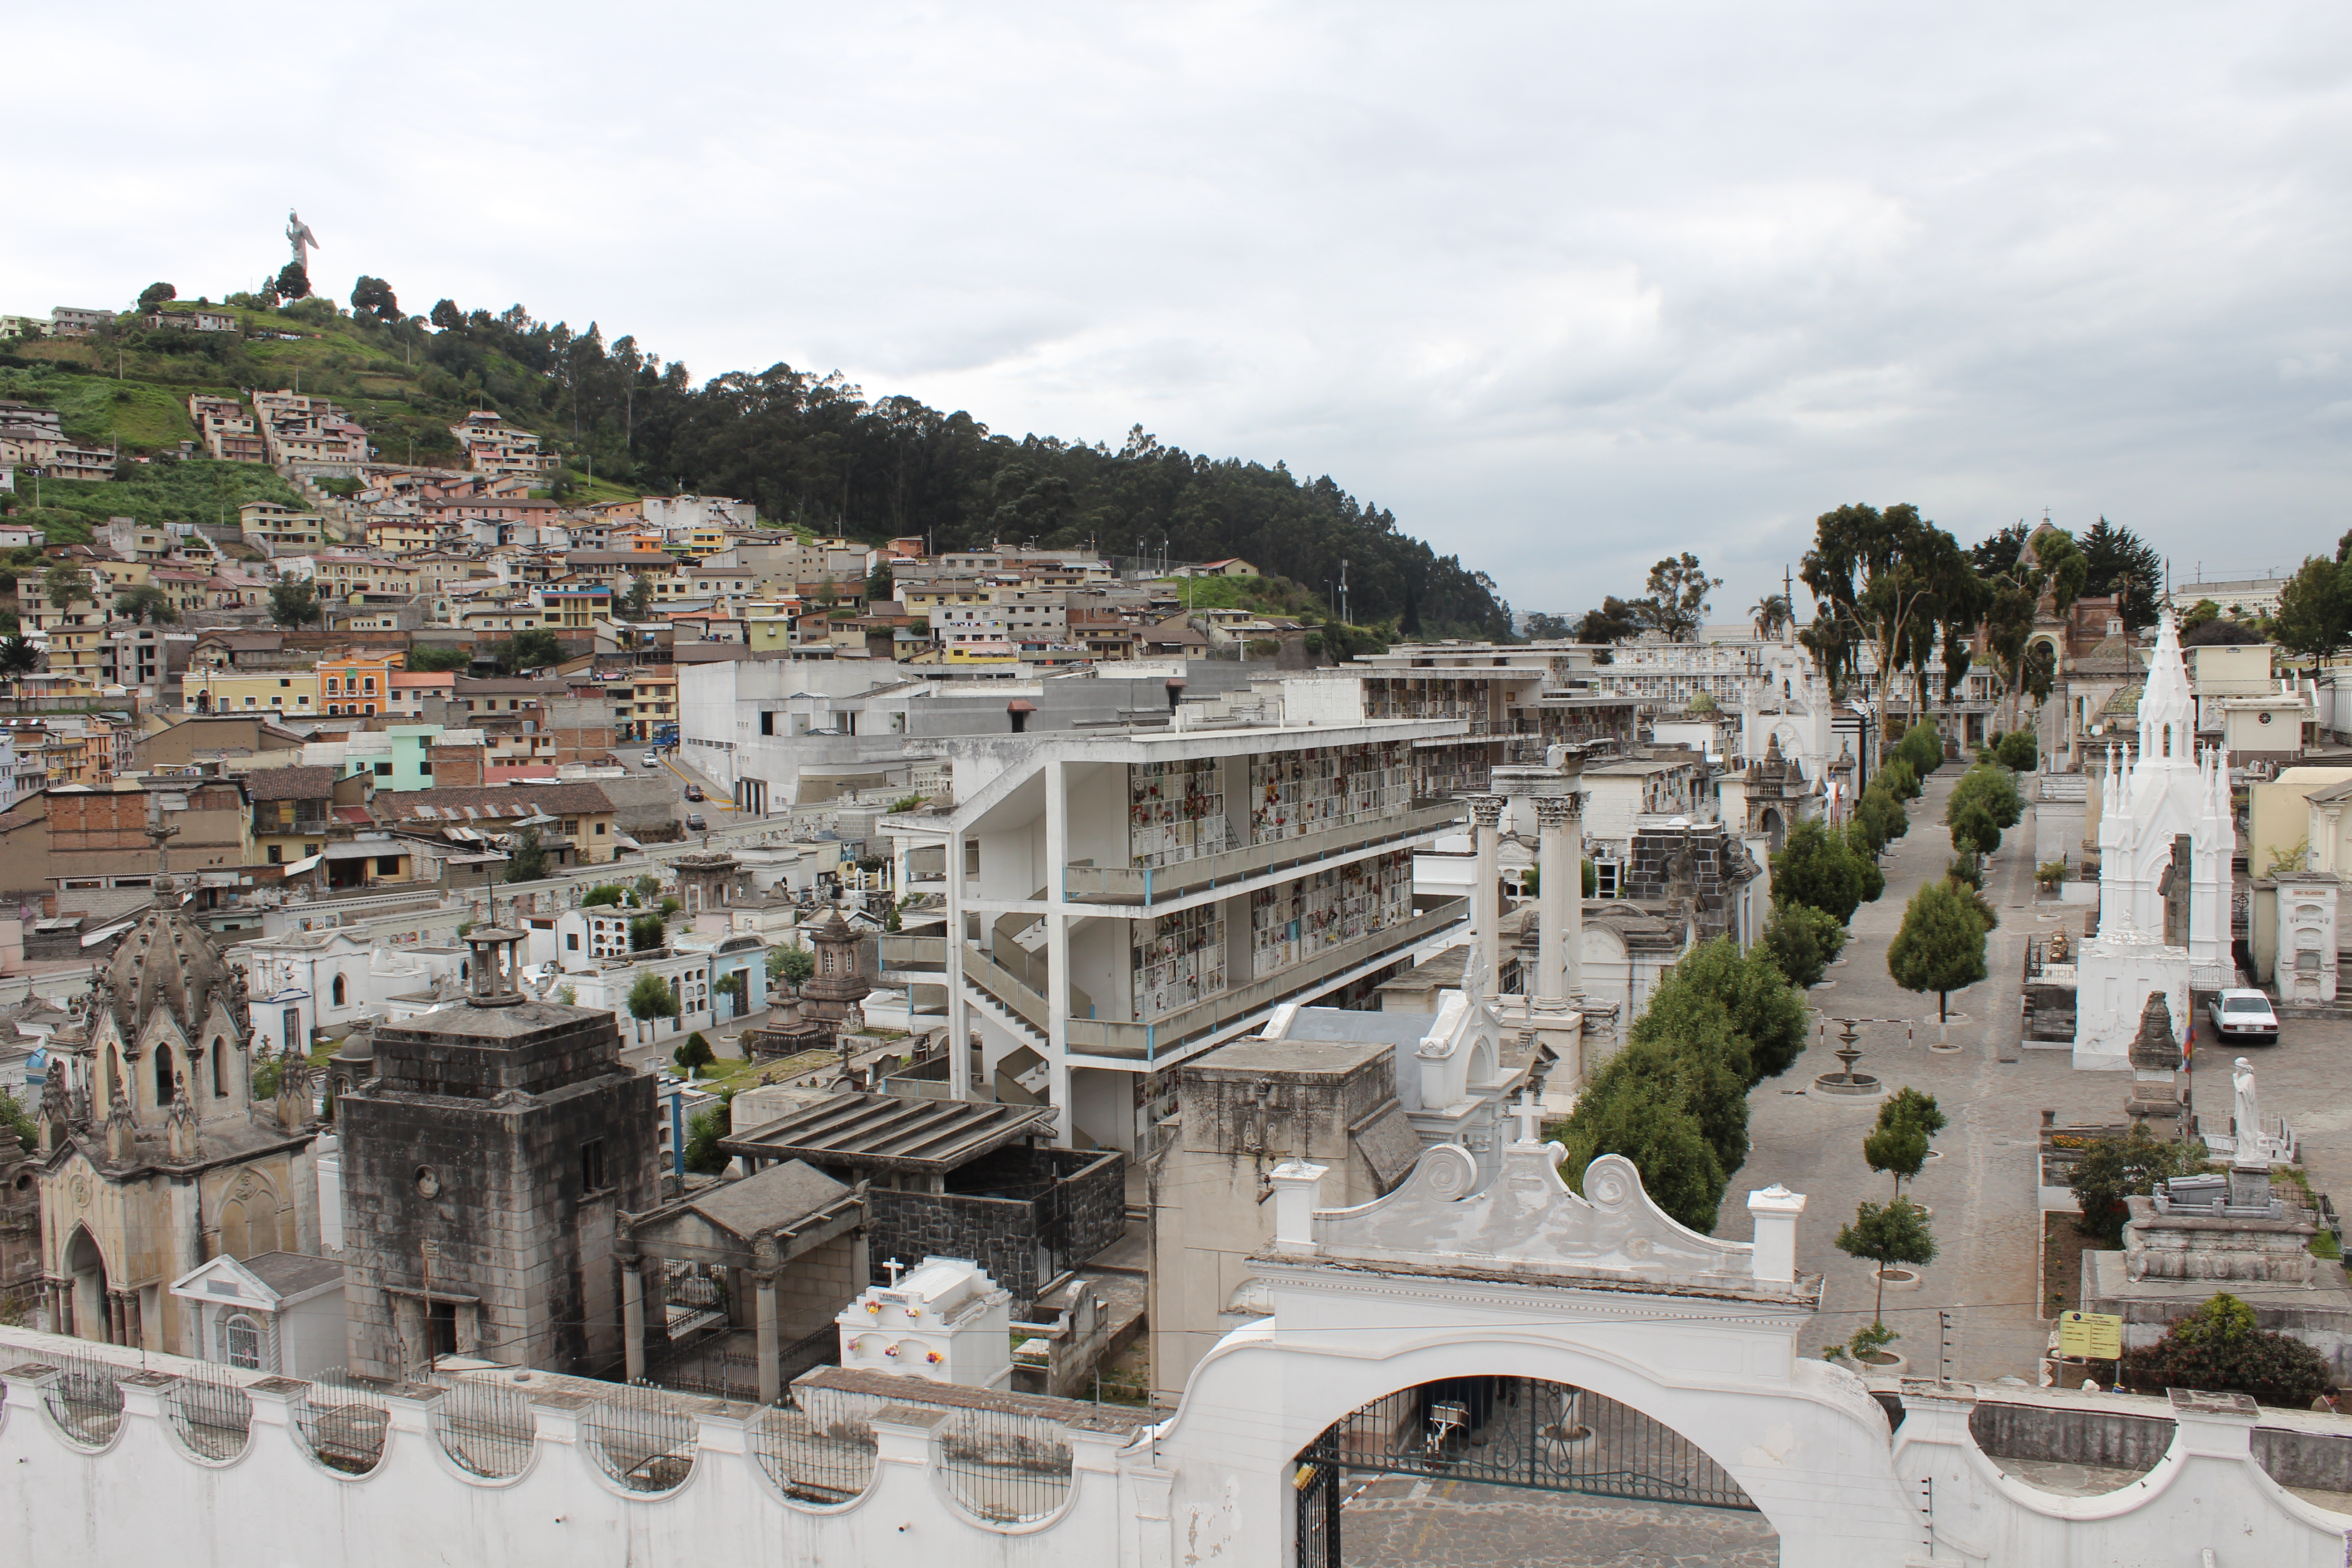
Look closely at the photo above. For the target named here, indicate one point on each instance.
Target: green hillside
(200, 491)
(810, 450)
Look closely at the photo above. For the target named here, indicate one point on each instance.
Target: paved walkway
(1405, 1522)
(1982, 1188)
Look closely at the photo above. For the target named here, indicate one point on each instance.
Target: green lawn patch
(199, 491)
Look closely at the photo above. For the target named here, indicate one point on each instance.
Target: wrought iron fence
(484, 1426)
(727, 1365)
(818, 1452)
(1519, 1432)
(342, 1420)
(1006, 1468)
(642, 1438)
(723, 1366)
(211, 1413)
(85, 1401)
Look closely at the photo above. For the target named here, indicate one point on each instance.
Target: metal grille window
(815, 1455)
(243, 1340)
(1008, 1468)
(85, 1401)
(1519, 1432)
(342, 1421)
(642, 1440)
(213, 1414)
(484, 1426)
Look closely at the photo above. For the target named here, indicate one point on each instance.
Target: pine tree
(1942, 947)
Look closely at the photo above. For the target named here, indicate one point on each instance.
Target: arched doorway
(1509, 1469)
(84, 1264)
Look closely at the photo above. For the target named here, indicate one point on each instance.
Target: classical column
(1486, 896)
(1559, 968)
(771, 1381)
(633, 1317)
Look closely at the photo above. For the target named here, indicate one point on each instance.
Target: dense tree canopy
(2117, 562)
(813, 450)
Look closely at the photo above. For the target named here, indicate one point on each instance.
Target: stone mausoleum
(484, 1169)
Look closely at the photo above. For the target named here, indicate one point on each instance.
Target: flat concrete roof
(1293, 1055)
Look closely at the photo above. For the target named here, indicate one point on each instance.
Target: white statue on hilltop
(298, 236)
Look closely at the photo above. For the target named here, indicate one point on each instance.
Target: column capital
(1486, 810)
(1558, 810)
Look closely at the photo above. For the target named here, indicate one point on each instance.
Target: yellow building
(339, 576)
(646, 703)
(122, 574)
(77, 646)
(238, 692)
(405, 533)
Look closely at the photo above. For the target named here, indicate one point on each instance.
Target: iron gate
(1507, 1432)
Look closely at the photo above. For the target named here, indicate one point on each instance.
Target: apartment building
(206, 690)
(494, 447)
(357, 683)
(1117, 903)
(280, 529)
(340, 573)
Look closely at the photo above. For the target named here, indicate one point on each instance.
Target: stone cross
(896, 1269)
(1528, 1113)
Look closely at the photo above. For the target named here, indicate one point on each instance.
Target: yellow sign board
(2095, 1336)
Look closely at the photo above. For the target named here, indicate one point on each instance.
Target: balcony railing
(1145, 884)
(1173, 1031)
(918, 953)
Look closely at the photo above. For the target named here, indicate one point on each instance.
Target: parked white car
(650, 759)
(2241, 1015)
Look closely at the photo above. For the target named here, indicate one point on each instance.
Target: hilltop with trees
(810, 448)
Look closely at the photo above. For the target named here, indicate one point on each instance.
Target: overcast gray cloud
(1566, 287)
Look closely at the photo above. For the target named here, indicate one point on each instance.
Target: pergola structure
(896, 1140)
(793, 1233)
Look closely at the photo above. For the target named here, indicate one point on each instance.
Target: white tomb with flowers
(945, 1321)
(2166, 837)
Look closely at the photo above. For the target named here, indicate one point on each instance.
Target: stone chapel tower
(485, 1168)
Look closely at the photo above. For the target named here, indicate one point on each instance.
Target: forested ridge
(813, 450)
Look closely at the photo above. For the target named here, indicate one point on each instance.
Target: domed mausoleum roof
(167, 961)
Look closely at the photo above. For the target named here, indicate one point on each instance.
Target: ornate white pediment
(1528, 1221)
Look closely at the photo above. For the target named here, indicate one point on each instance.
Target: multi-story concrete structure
(1119, 902)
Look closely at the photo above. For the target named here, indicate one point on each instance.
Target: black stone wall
(1719, 867)
(998, 1233)
(1025, 1215)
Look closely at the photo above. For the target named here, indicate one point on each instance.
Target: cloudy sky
(1565, 286)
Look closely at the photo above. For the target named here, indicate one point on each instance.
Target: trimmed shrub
(1801, 941)
(2219, 1349)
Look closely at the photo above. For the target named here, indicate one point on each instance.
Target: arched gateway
(1678, 1353)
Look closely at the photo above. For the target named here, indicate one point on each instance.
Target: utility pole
(1345, 619)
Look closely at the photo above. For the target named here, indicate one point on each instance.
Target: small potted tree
(1890, 1235)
